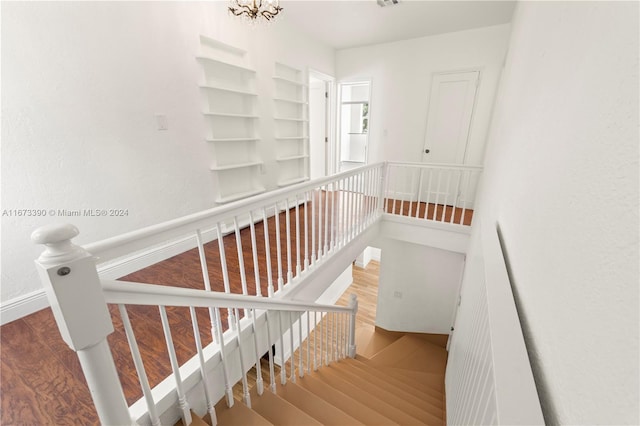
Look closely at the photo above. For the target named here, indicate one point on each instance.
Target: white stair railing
(69, 272)
(321, 217)
(435, 192)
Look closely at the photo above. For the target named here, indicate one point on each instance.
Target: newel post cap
(57, 239)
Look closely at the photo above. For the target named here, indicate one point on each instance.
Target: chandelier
(254, 9)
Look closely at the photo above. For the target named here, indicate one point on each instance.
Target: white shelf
(227, 89)
(232, 139)
(226, 64)
(226, 114)
(291, 138)
(293, 157)
(240, 195)
(291, 101)
(302, 120)
(293, 181)
(236, 166)
(289, 81)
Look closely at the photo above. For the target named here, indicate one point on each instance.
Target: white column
(70, 279)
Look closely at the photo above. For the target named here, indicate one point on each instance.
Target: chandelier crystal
(255, 9)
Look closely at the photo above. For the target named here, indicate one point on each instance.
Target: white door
(451, 104)
(318, 134)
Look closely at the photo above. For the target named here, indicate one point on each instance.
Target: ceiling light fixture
(255, 9)
(383, 3)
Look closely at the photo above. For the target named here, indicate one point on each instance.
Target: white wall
(562, 182)
(81, 83)
(400, 74)
(418, 287)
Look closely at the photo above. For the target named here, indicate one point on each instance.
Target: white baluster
(243, 274)
(288, 225)
(353, 304)
(426, 210)
(306, 231)
(313, 227)
(464, 196)
(267, 250)
(259, 380)
(245, 385)
(272, 374)
(308, 343)
(350, 210)
(225, 275)
(345, 208)
(292, 359)
(223, 358)
(137, 361)
(300, 360)
(298, 262)
(203, 369)
(254, 251)
(279, 248)
(435, 209)
(320, 195)
(182, 397)
(332, 236)
(446, 195)
(315, 341)
(326, 220)
(205, 277)
(283, 363)
(325, 327)
(420, 177)
(455, 195)
(69, 276)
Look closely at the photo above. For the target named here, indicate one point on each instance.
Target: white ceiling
(344, 23)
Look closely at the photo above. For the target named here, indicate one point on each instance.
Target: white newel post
(353, 304)
(70, 279)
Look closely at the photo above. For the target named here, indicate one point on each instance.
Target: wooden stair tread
(400, 381)
(412, 353)
(433, 380)
(421, 390)
(364, 396)
(344, 402)
(369, 341)
(387, 390)
(279, 411)
(315, 406)
(238, 415)
(195, 421)
(397, 398)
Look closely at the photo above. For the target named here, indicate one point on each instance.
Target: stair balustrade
(321, 218)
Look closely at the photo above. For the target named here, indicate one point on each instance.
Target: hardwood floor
(437, 212)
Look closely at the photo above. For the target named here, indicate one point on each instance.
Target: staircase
(395, 379)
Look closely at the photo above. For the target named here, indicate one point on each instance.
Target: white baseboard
(23, 306)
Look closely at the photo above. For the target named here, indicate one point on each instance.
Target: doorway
(321, 152)
(451, 104)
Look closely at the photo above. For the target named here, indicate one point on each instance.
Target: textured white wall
(81, 83)
(418, 287)
(400, 74)
(562, 182)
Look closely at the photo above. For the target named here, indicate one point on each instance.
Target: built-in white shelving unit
(291, 116)
(231, 113)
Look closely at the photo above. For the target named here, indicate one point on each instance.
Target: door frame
(480, 71)
(330, 153)
(338, 105)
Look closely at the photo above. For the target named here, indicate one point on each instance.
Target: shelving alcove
(291, 116)
(230, 110)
